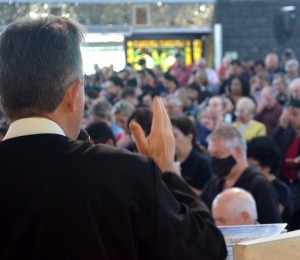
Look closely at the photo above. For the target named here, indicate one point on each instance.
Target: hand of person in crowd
(293, 161)
(254, 87)
(160, 144)
(284, 119)
(228, 72)
(262, 105)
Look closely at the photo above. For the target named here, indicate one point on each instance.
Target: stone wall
(248, 27)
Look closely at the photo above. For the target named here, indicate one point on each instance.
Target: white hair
(249, 102)
(123, 108)
(293, 63)
(238, 200)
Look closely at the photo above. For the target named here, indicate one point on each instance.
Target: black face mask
(222, 167)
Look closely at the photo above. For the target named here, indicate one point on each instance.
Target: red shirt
(289, 171)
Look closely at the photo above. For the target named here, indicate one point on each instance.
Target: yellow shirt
(250, 130)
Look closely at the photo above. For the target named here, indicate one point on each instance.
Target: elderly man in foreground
(233, 207)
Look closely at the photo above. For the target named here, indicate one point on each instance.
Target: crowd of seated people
(259, 98)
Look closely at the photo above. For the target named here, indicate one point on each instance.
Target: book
(238, 234)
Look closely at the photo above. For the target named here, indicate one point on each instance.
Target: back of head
(123, 108)
(142, 116)
(171, 98)
(128, 92)
(288, 54)
(169, 77)
(194, 86)
(116, 81)
(100, 133)
(237, 201)
(132, 82)
(264, 150)
(39, 58)
(259, 63)
(101, 108)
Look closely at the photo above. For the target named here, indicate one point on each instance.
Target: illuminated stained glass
(160, 52)
(198, 48)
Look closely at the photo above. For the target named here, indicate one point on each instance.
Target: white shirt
(31, 126)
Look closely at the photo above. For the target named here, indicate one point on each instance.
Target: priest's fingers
(158, 120)
(139, 135)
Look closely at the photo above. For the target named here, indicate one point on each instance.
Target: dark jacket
(265, 197)
(64, 199)
(196, 169)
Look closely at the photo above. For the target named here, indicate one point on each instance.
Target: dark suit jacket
(64, 199)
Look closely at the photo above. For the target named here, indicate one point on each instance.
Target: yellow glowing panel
(158, 52)
(198, 48)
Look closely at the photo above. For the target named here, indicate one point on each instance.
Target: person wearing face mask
(228, 148)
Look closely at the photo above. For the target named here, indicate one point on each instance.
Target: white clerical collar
(32, 126)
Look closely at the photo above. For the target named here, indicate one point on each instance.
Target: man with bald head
(234, 206)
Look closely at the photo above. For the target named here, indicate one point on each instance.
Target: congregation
(215, 115)
(257, 97)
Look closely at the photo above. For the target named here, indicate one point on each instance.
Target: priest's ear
(72, 95)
